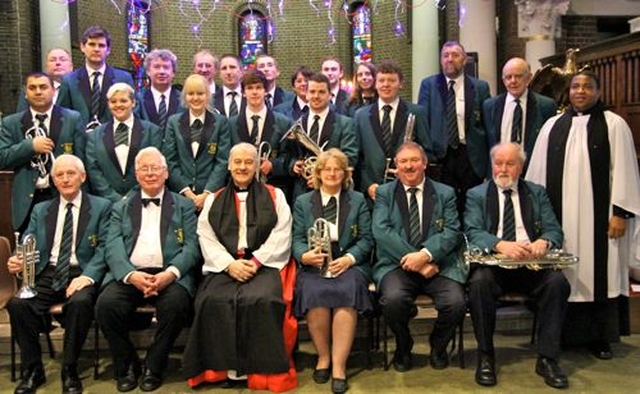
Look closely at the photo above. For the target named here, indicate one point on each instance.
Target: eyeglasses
(150, 169)
(334, 170)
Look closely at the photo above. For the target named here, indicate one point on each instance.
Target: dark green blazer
(354, 226)
(75, 91)
(440, 229)
(105, 175)
(178, 237)
(208, 170)
(482, 215)
(372, 163)
(65, 129)
(90, 239)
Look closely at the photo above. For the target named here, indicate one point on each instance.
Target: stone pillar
(425, 51)
(478, 34)
(538, 23)
(54, 27)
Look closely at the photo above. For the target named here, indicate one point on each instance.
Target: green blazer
(105, 175)
(65, 129)
(208, 170)
(482, 215)
(440, 226)
(75, 91)
(372, 161)
(354, 226)
(90, 239)
(178, 237)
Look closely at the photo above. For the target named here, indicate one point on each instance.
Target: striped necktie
(61, 274)
(254, 129)
(415, 235)
(196, 130)
(233, 106)
(452, 117)
(162, 112)
(95, 94)
(508, 218)
(122, 135)
(314, 132)
(267, 101)
(330, 211)
(516, 126)
(386, 130)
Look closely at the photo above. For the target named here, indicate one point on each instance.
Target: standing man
(274, 94)
(70, 232)
(85, 89)
(493, 223)
(518, 114)
(333, 70)
(382, 128)
(29, 141)
(152, 251)
(58, 65)
(586, 159)
(229, 100)
(161, 100)
(453, 101)
(205, 64)
(417, 233)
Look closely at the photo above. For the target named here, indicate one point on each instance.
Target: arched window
(252, 31)
(361, 32)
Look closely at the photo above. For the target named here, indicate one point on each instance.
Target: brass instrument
(29, 256)
(264, 151)
(94, 123)
(319, 238)
(41, 160)
(555, 259)
(296, 132)
(408, 137)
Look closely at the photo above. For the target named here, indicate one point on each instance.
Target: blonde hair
(343, 162)
(195, 80)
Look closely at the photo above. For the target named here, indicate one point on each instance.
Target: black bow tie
(146, 201)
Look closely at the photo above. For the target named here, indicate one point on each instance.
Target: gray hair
(150, 150)
(163, 54)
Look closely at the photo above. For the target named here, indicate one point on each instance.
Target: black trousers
(398, 291)
(28, 318)
(457, 172)
(549, 288)
(115, 311)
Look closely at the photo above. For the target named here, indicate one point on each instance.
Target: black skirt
(349, 289)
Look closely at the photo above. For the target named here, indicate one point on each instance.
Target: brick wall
(577, 31)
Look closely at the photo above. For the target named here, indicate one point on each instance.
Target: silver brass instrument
(264, 152)
(94, 123)
(27, 253)
(296, 132)
(555, 259)
(319, 238)
(41, 160)
(408, 137)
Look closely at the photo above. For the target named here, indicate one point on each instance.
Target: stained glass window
(252, 37)
(138, 39)
(361, 32)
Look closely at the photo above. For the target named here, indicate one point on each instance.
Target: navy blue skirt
(350, 289)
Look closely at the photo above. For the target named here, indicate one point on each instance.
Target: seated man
(71, 232)
(152, 251)
(515, 218)
(243, 323)
(417, 233)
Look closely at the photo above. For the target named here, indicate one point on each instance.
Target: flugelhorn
(264, 152)
(319, 238)
(94, 123)
(555, 259)
(296, 132)
(29, 256)
(39, 161)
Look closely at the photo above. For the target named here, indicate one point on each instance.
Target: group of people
(201, 202)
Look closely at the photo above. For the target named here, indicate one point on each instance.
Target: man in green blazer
(152, 252)
(31, 157)
(417, 234)
(70, 270)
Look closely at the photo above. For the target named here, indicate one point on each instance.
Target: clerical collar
(598, 107)
(239, 189)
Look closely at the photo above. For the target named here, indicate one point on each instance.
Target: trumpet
(94, 123)
(30, 257)
(42, 160)
(555, 259)
(296, 132)
(408, 137)
(264, 152)
(319, 237)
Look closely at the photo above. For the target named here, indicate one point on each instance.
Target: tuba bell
(319, 238)
(29, 255)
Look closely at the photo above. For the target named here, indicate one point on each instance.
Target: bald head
(516, 75)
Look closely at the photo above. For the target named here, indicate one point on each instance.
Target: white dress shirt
(507, 116)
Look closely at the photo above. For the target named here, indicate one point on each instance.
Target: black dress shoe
(321, 375)
(150, 381)
(339, 386)
(402, 362)
(71, 383)
(31, 379)
(439, 359)
(553, 375)
(601, 350)
(129, 380)
(486, 371)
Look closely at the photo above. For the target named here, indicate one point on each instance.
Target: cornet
(27, 253)
(319, 238)
(42, 160)
(408, 137)
(264, 152)
(94, 123)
